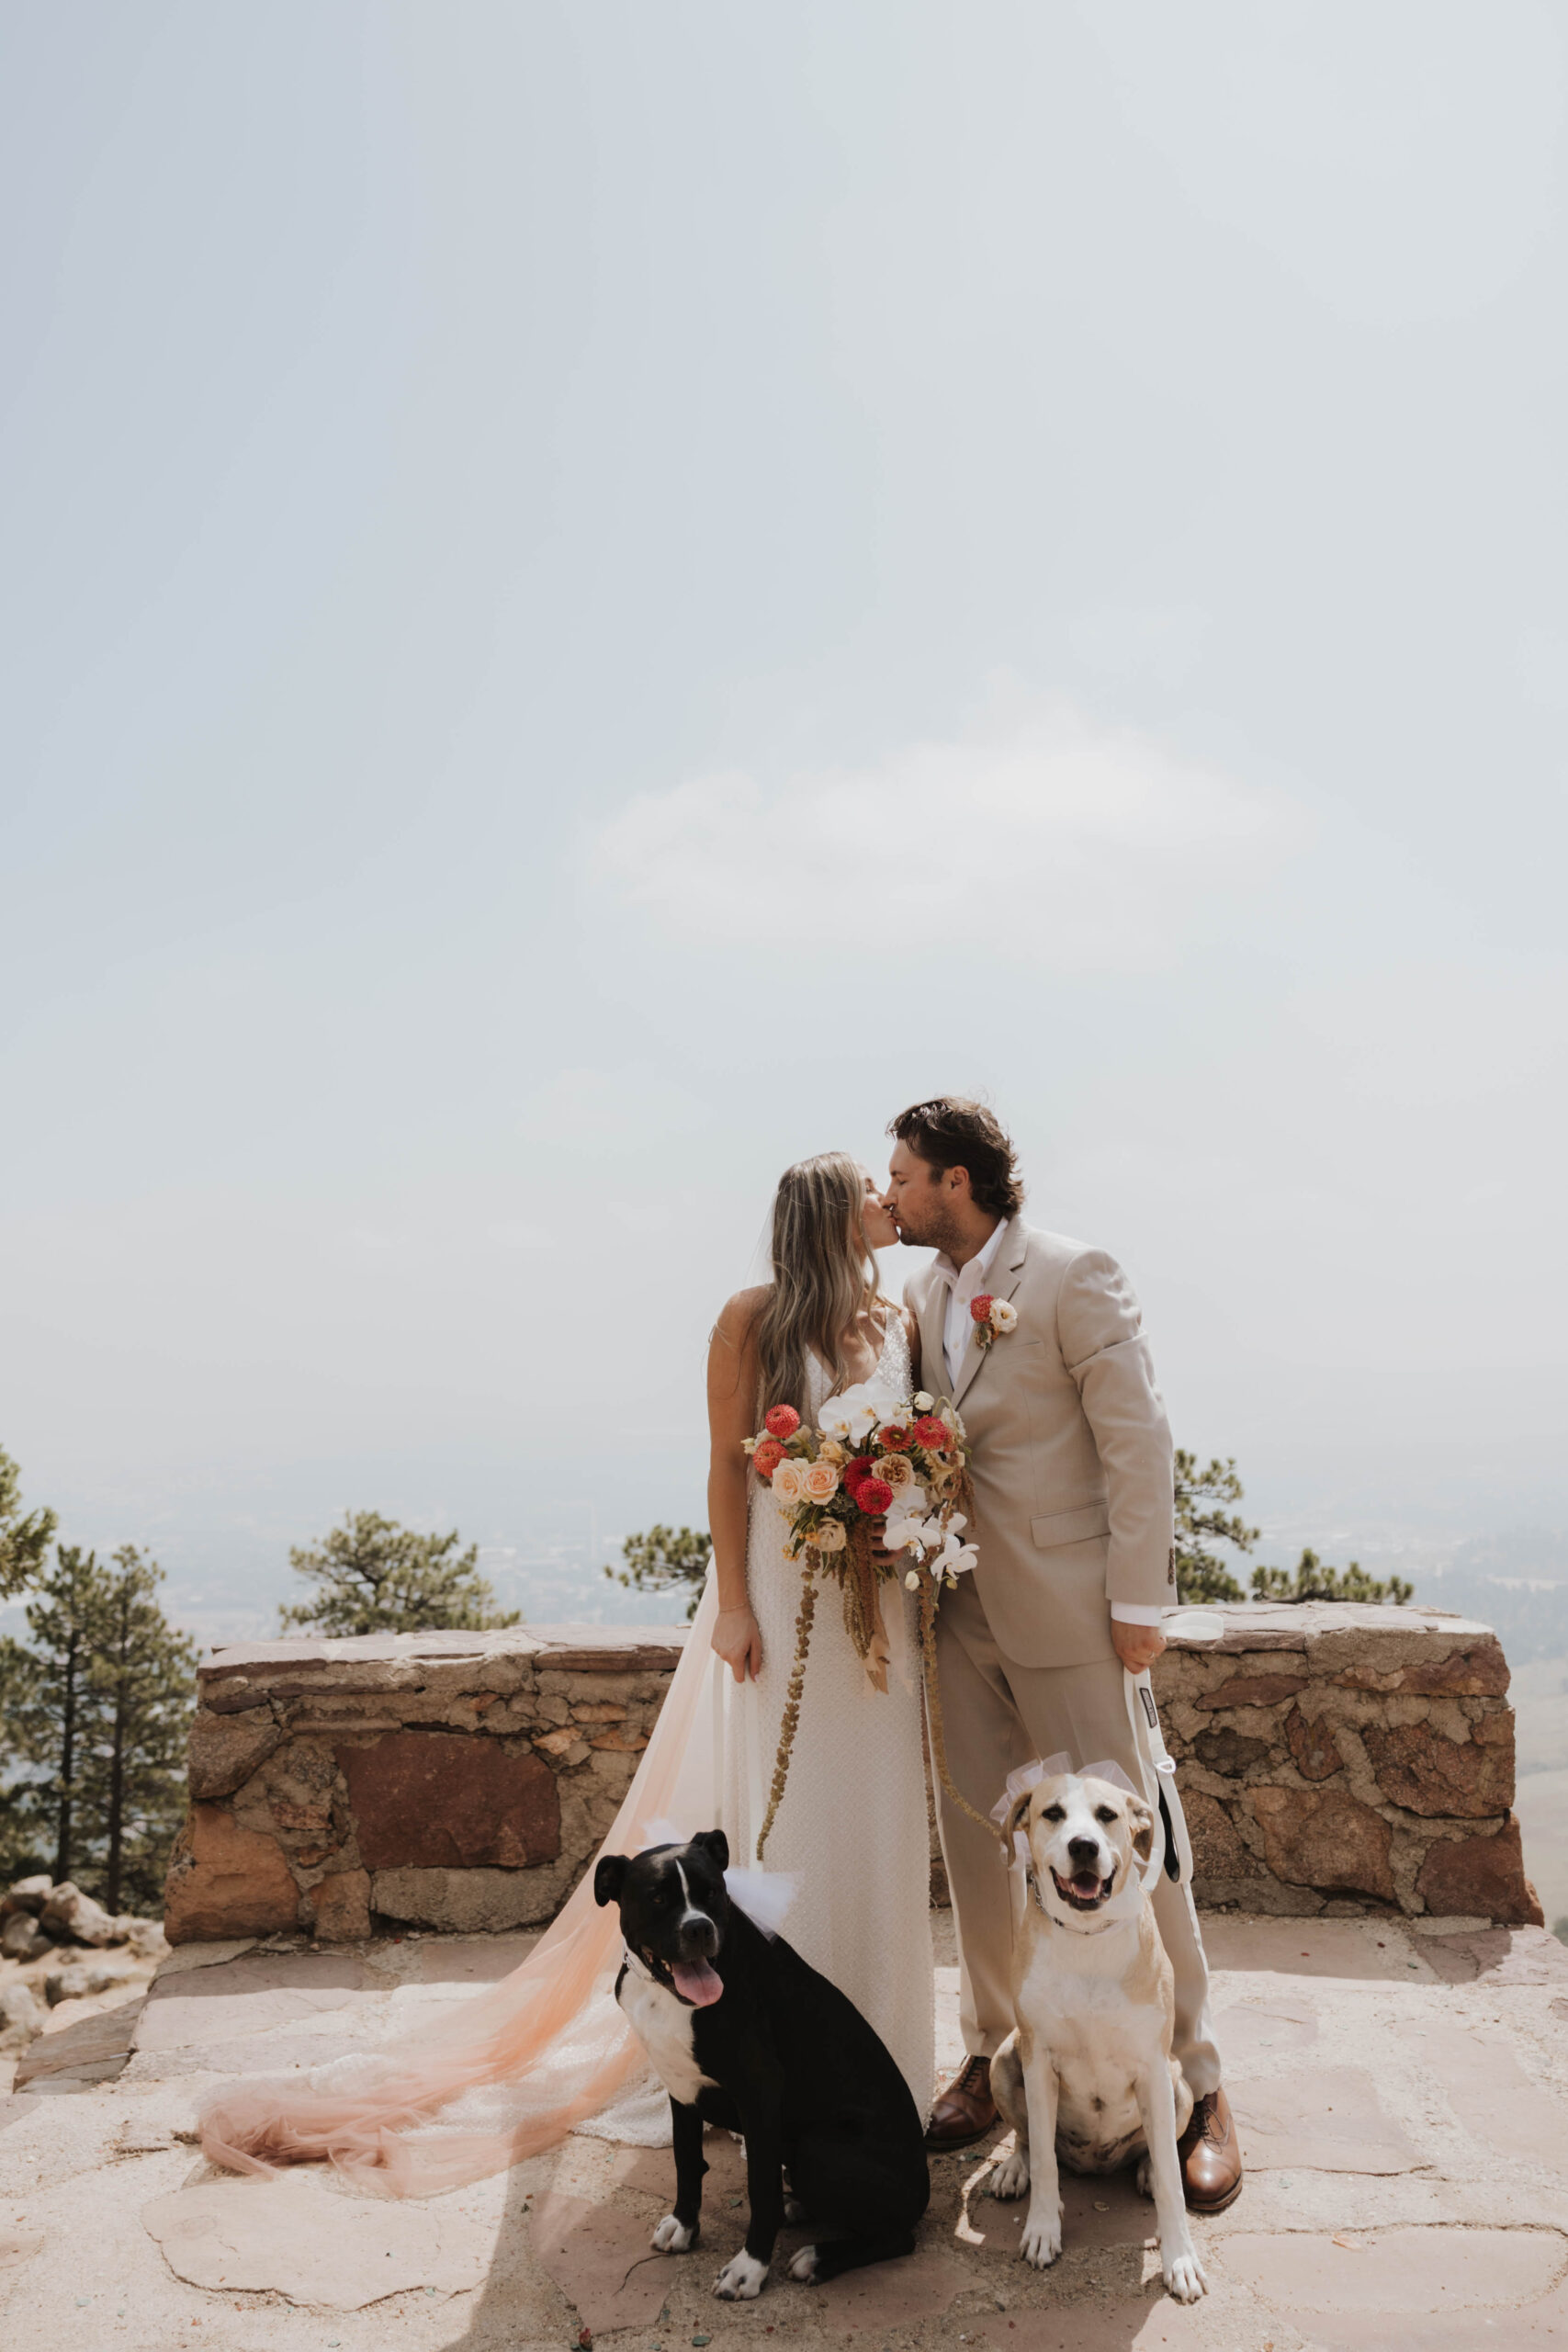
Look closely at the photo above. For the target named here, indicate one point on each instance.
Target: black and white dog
(744, 2035)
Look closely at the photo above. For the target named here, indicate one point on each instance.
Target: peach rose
(819, 1481)
(894, 1469)
(788, 1481)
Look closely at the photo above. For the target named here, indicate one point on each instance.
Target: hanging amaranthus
(881, 1477)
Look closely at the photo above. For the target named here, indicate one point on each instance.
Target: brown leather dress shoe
(966, 2111)
(1210, 2155)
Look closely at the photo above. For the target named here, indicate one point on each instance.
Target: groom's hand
(1136, 1645)
(738, 1640)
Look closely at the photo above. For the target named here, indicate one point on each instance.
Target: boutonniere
(994, 1317)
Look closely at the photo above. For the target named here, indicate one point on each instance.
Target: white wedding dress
(852, 1827)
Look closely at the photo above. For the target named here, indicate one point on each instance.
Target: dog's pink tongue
(697, 1983)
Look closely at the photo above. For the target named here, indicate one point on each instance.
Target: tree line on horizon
(675, 1559)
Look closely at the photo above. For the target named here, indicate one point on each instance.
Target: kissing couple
(1037, 1342)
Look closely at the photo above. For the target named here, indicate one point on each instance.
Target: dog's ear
(1017, 1814)
(609, 1878)
(1143, 1821)
(714, 1842)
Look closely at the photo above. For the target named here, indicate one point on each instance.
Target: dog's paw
(1011, 2175)
(741, 2279)
(1184, 2275)
(803, 2265)
(1144, 2178)
(1042, 2239)
(795, 2210)
(674, 2237)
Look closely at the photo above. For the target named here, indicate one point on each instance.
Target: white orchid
(953, 1558)
(858, 1411)
(909, 1531)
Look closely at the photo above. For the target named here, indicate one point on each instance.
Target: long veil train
(514, 2069)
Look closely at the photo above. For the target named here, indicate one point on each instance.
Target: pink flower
(782, 1421)
(934, 1435)
(980, 1306)
(768, 1456)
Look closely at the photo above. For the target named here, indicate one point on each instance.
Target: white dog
(1089, 2076)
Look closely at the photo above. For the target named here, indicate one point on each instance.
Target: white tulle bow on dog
(764, 1895)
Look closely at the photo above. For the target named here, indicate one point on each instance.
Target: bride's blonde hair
(824, 1278)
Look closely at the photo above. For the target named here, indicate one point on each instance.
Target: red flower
(874, 1497)
(854, 1471)
(980, 1305)
(893, 1440)
(934, 1435)
(768, 1456)
(783, 1420)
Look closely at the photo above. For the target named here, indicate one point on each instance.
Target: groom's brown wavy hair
(950, 1131)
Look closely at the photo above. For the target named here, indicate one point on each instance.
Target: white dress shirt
(964, 1285)
(962, 1288)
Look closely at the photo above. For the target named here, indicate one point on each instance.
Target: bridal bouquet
(880, 1475)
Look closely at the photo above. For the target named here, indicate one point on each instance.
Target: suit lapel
(1006, 1273)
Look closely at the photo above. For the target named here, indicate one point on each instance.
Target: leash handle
(1148, 1740)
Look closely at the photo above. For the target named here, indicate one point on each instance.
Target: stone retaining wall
(454, 1780)
(1332, 1758)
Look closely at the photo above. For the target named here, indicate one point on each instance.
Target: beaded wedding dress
(506, 2073)
(851, 1829)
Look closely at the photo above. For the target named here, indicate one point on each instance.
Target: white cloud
(1050, 839)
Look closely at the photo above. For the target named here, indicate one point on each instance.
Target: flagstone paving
(1403, 2099)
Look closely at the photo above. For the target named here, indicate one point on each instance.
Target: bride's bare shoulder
(738, 1317)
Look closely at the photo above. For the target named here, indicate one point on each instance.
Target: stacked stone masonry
(457, 1780)
(1332, 1758)
(1338, 1757)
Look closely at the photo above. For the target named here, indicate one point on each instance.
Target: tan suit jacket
(1072, 1465)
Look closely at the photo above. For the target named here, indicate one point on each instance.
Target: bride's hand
(737, 1641)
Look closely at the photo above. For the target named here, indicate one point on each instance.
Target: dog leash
(1173, 1855)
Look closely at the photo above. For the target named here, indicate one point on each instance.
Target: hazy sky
(599, 596)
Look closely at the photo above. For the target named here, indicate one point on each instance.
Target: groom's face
(923, 1199)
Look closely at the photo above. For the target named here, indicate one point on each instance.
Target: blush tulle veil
(512, 2070)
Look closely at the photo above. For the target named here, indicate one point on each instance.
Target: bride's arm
(732, 1398)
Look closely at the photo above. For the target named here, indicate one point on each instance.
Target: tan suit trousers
(998, 1715)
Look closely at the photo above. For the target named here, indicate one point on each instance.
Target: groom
(1073, 1507)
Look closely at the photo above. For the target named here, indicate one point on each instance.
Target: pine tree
(1315, 1582)
(1200, 1575)
(373, 1577)
(666, 1559)
(23, 1541)
(142, 1684)
(50, 1702)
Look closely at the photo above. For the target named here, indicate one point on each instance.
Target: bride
(512, 2070)
(852, 1827)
